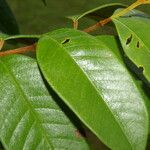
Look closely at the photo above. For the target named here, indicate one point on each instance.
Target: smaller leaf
(112, 43)
(134, 30)
(98, 12)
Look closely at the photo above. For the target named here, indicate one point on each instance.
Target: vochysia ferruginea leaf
(92, 81)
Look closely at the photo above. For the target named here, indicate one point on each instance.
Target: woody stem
(121, 13)
(19, 50)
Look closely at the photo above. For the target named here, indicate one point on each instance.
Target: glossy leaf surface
(29, 117)
(112, 43)
(134, 32)
(96, 86)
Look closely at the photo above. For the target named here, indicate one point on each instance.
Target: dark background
(33, 17)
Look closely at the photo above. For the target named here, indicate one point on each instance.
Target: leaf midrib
(93, 85)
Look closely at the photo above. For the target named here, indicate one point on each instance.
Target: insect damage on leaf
(141, 69)
(65, 41)
(138, 44)
(129, 40)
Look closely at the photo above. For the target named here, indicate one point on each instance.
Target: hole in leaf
(66, 41)
(141, 69)
(129, 40)
(138, 44)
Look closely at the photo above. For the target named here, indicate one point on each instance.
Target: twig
(97, 25)
(1, 43)
(19, 50)
(121, 13)
(75, 24)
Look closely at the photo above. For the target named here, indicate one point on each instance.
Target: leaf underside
(92, 81)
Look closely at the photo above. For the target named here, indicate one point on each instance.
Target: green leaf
(96, 86)
(6, 37)
(22, 36)
(98, 13)
(29, 117)
(8, 23)
(112, 43)
(134, 30)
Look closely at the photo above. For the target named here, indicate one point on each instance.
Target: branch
(121, 13)
(75, 24)
(1, 43)
(97, 25)
(19, 50)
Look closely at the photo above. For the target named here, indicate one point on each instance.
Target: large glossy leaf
(134, 31)
(96, 86)
(29, 117)
(7, 21)
(113, 44)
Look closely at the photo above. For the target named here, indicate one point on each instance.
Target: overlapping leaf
(113, 44)
(96, 86)
(30, 118)
(134, 31)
